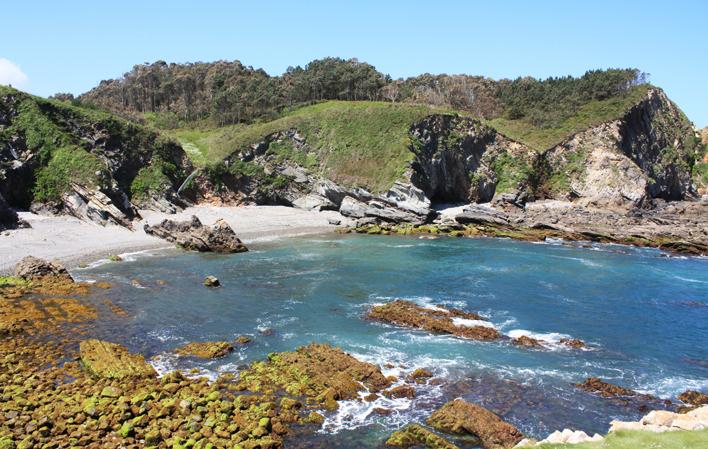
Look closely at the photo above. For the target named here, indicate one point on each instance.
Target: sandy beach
(74, 242)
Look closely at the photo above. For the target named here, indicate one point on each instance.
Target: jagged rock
(663, 421)
(409, 198)
(205, 350)
(401, 391)
(33, 268)
(604, 389)
(573, 343)
(527, 342)
(351, 207)
(211, 281)
(333, 192)
(94, 205)
(417, 435)
(434, 319)
(420, 375)
(459, 416)
(480, 215)
(313, 201)
(379, 209)
(113, 361)
(693, 398)
(193, 235)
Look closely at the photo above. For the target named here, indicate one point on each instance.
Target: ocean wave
(697, 281)
(551, 340)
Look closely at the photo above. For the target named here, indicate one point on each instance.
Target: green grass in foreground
(354, 143)
(590, 114)
(636, 439)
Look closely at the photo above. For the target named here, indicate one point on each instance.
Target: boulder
(604, 389)
(459, 416)
(527, 342)
(332, 191)
(481, 215)
(417, 435)
(351, 207)
(313, 201)
(193, 235)
(211, 281)
(383, 211)
(33, 268)
(408, 197)
(112, 361)
(573, 343)
(206, 349)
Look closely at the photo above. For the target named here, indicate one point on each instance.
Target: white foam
(550, 339)
(435, 308)
(471, 323)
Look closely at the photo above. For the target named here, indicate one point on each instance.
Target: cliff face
(647, 153)
(61, 158)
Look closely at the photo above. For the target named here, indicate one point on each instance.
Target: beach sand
(73, 242)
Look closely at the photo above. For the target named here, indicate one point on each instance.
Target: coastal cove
(623, 302)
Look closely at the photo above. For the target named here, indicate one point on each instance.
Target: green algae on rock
(459, 416)
(417, 435)
(434, 319)
(113, 361)
(206, 349)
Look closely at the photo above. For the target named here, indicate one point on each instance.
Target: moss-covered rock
(113, 361)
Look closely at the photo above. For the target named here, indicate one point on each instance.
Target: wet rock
(434, 319)
(459, 416)
(193, 235)
(420, 375)
(527, 342)
(382, 411)
(211, 281)
(401, 391)
(113, 361)
(693, 397)
(34, 268)
(206, 349)
(573, 343)
(417, 435)
(243, 340)
(604, 389)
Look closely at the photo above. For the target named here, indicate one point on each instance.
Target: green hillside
(356, 143)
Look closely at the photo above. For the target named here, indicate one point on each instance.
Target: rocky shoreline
(63, 389)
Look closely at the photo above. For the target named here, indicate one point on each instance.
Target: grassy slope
(356, 143)
(366, 143)
(590, 114)
(641, 439)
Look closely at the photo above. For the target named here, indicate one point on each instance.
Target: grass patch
(635, 439)
(153, 179)
(353, 143)
(68, 164)
(510, 171)
(12, 281)
(589, 115)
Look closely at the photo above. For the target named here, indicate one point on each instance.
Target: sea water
(642, 313)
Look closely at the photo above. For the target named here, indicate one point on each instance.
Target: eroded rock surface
(34, 268)
(206, 349)
(112, 361)
(435, 319)
(604, 389)
(193, 235)
(417, 435)
(459, 416)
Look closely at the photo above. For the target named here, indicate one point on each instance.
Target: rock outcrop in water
(193, 235)
(414, 435)
(434, 319)
(462, 417)
(30, 268)
(604, 389)
(206, 349)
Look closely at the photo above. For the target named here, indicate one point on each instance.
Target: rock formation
(112, 361)
(30, 268)
(417, 435)
(459, 416)
(194, 236)
(434, 319)
(205, 350)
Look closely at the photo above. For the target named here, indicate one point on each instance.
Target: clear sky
(69, 46)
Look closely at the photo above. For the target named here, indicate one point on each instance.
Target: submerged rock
(459, 416)
(206, 349)
(113, 361)
(604, 389)
(417, 435)
(193, 235)
(34, 268)
(434, 319)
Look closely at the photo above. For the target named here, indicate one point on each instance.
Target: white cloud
(10, 73)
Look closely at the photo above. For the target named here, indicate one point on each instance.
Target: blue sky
(70, 46)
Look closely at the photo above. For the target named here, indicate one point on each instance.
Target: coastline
(74, 242)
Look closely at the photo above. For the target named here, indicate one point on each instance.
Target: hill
(64, 158)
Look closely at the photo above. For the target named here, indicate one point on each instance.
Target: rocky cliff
(56, 157)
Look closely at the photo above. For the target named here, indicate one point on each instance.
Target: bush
(68, 164)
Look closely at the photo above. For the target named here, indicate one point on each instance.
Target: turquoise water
(644, 316)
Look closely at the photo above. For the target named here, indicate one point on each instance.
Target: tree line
(227, 92)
